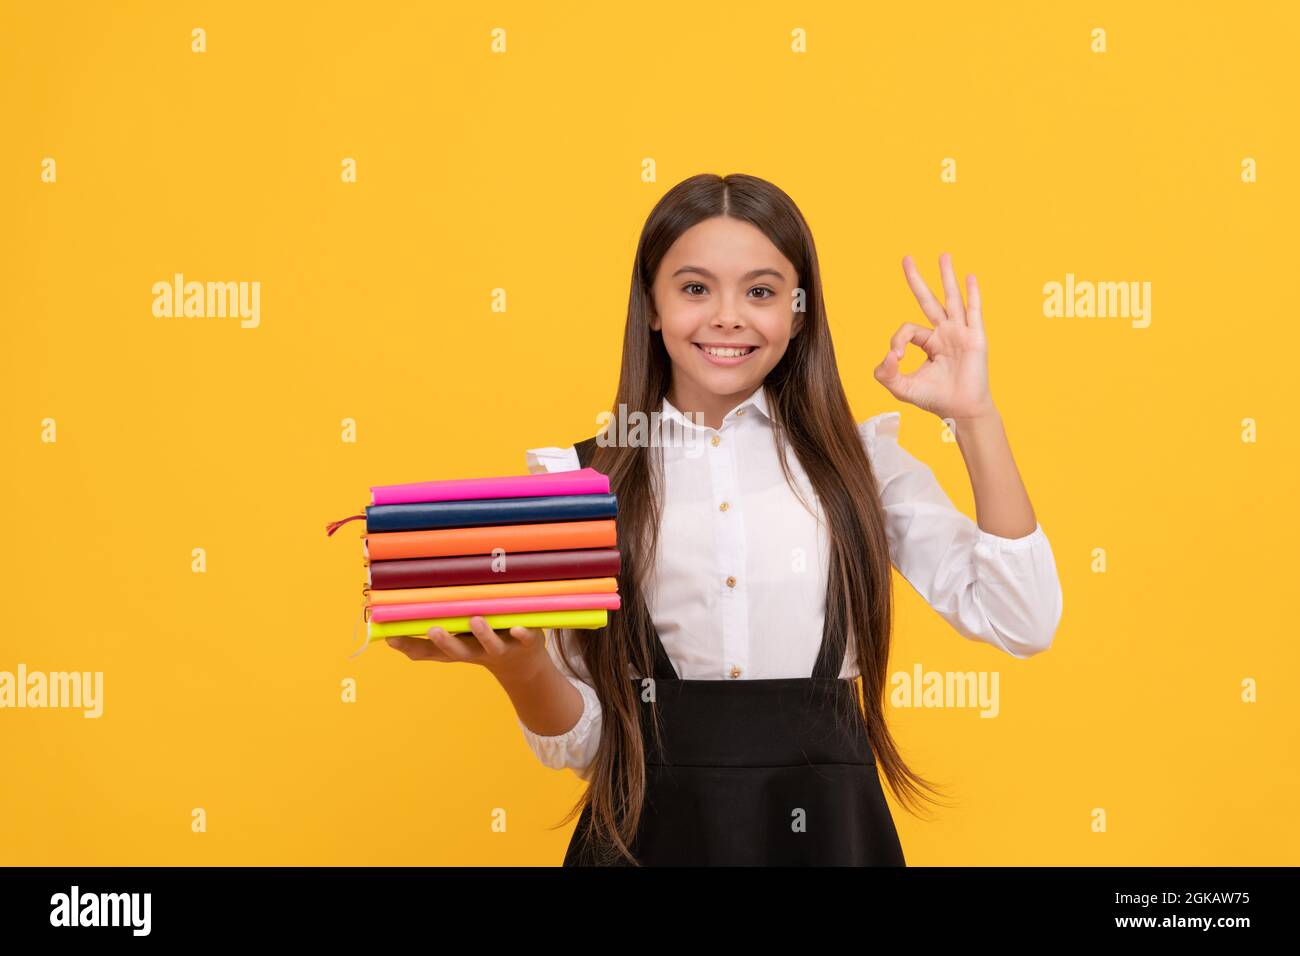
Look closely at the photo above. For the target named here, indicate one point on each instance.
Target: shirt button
(714, 440)
(735, 670)
(731, 582)
(740, 411)
(724, 506)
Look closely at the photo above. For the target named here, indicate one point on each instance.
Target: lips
(734, 354)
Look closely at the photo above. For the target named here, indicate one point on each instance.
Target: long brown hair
(811, 416)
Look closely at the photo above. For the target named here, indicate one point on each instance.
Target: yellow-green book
(378, 630)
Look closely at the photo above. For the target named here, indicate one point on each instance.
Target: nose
(727, 318)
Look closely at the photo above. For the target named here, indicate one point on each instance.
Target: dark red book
(478, 568)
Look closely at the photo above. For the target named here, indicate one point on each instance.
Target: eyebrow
(753, 274)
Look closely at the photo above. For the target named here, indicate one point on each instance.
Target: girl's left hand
(954, 381)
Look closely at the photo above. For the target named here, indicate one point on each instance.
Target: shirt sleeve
(552, 458)
(1003, 591)
(575, 748)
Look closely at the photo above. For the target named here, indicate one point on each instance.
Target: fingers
(491, 642)
(486, 642)
(952, 303)
(909, 332)
(929, 304)
(455, 648)
(416, 648)
(887, 374)
(528, 636)
(973, 314)
(888, 367)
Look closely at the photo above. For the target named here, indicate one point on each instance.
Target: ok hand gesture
(954, 381)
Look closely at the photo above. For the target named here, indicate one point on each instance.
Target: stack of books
(530, 550)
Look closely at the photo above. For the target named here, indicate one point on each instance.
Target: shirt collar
(757, 401)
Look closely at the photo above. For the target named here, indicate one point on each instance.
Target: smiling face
(722, 298)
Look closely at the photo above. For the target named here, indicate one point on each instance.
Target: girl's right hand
(505, 653)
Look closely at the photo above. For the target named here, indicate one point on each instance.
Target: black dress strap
(833, 653)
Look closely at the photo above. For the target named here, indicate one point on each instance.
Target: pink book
(504, 605)
(585, 481)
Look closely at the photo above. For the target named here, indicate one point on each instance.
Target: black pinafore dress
(755, 772)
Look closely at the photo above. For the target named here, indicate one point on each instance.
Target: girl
(718, 718)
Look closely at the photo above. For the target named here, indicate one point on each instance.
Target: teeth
(728, 353)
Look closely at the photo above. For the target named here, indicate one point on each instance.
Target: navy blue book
(426, 515)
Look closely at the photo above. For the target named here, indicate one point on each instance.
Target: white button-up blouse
(739, 584)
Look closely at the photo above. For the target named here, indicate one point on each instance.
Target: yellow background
(522, 171)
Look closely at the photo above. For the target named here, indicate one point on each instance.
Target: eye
(692, 285)
(763, 288)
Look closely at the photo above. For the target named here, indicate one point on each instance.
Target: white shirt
(768, 622)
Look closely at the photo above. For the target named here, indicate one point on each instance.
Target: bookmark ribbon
(335, 525)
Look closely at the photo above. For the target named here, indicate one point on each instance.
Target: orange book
(445, 542)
